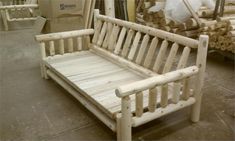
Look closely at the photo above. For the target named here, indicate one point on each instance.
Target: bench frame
(125, 120)
(4, 10)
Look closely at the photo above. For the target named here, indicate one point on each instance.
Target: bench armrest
(63, 35)
(18, 6)
(152, 82)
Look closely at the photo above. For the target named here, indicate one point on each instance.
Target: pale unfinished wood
(61, 46)
(113, 38)
(153, 31)
(106, 40)
(142, 49)
(201, 63)
(134, 46)
(120, 41)
(108, 78)
(139, 104)
(152, 99)
(156, 81)
(97, 31)
(64, 35)
(52, 48)
(102, 34)
(151, 51)
(160, 56)
(79, 43)
(126, 120)
(148, 116)
(126, 46)
(70, 45)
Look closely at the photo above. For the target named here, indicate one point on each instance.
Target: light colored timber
(126, 46)
(156, 81)
(105, 119)
(61, 46)
(139, 104)
(98, 27)
(148, 116)
(182, 63)
(62, 35)
(201, 63)
(113, 38)
(153, 31)
(102, 34)
(70, 45)
(142, 49)
(122, 61)
(120, 92)
(79, 43)
(152, 99)
(120, 41)
(126, 119)
(52, 48)
(18, 6)
(134, 46)
(106, 39)
(151, 51)
(109, 8)
(160, 56)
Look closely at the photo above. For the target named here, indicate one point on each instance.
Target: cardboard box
(60, 8)
(64, 24)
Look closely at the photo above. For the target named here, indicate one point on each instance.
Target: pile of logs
(222, 34)
(221, 30)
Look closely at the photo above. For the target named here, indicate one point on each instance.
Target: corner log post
(201, 64)
(125, 122)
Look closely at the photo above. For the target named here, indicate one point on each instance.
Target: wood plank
(170, 58)
(160, 57)
(97, 31)
(113, 38)
(79, 43)
(126, 46)
(51, 48)
(142, 49)
(102, 34)
(108, 35)
(134, 46)
(120, 41)
(151, 52)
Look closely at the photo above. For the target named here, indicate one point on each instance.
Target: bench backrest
(157, 50)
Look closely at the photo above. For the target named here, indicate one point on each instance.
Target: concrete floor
(33, 109)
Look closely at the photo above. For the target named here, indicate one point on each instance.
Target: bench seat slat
(98, 84)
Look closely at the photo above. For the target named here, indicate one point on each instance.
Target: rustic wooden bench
(130, 75)
(7, 10)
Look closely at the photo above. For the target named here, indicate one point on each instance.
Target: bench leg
(4, 19)
(119, 127)
(44, 71)
(196, 108)
(124, 121)
(123, 131)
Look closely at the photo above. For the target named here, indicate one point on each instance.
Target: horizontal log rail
(152, 82)
(64, 35)
(21, 19)
(152, 31)
(18, 6)
(149, 116)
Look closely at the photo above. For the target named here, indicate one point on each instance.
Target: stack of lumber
(221, 30)
(222, 34)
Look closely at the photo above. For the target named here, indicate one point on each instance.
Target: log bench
(8, 10)
(129, 75)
